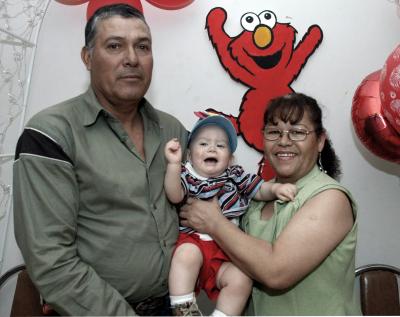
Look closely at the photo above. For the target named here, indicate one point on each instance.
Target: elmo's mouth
(268, 61)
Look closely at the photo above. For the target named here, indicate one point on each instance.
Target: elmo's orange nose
(262, 36)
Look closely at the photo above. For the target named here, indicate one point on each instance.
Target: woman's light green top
(329, 289)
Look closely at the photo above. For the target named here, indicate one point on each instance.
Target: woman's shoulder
(319, 181)
(324, 187)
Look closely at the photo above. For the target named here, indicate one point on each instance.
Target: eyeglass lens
(293, 134)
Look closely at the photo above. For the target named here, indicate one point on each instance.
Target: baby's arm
(271, 191)
(172, 181)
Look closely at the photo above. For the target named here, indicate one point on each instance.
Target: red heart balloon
(370, 125)
(72, 2)
(170, 4)
(96, 4)
(390, 89)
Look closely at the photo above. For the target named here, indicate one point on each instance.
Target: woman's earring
(261, 167)
(321, 168)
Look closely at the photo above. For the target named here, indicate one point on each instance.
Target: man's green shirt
(91, 216)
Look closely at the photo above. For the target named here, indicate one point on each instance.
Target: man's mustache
(130, 74)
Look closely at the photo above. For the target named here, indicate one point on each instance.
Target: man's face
(121, 61)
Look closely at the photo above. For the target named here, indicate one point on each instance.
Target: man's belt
(151, 306)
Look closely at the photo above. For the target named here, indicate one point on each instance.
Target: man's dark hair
(122, 10)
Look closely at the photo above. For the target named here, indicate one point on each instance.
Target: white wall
(358, 37)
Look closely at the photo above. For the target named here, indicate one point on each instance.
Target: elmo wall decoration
(264, 58)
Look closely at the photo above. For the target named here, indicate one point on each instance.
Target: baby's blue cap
(220, 121)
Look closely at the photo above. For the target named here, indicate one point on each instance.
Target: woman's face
(292, 160)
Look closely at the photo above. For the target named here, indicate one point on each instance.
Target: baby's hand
(284, 192)
(173, 151)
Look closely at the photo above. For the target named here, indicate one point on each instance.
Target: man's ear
(86, 57)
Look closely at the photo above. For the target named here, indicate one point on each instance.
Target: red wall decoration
(162, 4)
(376, 110)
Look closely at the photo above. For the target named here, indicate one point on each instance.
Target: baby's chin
(210, 174)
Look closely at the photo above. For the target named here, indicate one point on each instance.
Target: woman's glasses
(273, 134)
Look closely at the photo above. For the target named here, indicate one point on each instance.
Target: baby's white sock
(176, 300)
(218, 313)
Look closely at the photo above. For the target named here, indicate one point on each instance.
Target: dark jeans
(158, 306)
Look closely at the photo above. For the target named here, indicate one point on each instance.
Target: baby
(198, 262)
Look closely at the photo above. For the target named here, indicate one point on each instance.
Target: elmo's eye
(267, 18)
(249, 21)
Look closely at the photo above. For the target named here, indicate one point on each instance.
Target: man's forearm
(45, 219)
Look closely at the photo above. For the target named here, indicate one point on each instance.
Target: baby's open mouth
(211, 160)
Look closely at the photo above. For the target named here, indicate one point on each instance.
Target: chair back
(26, 300)
(379, 289)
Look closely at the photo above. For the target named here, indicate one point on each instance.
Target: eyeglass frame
(282, 132)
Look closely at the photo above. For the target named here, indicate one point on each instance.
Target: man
(91, 217)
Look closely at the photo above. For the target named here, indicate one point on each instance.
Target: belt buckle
(148, 305)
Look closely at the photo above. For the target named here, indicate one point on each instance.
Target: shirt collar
(91, 112)
(93, 109)
(192, 171)
(148, 111)
(307, 178)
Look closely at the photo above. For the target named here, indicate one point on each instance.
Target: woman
(300, 253)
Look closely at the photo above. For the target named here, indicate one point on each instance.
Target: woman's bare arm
(310, 236)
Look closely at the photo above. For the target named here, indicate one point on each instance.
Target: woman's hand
(204, 216)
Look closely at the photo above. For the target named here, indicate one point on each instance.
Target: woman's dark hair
(291, 108)
(122, 10)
